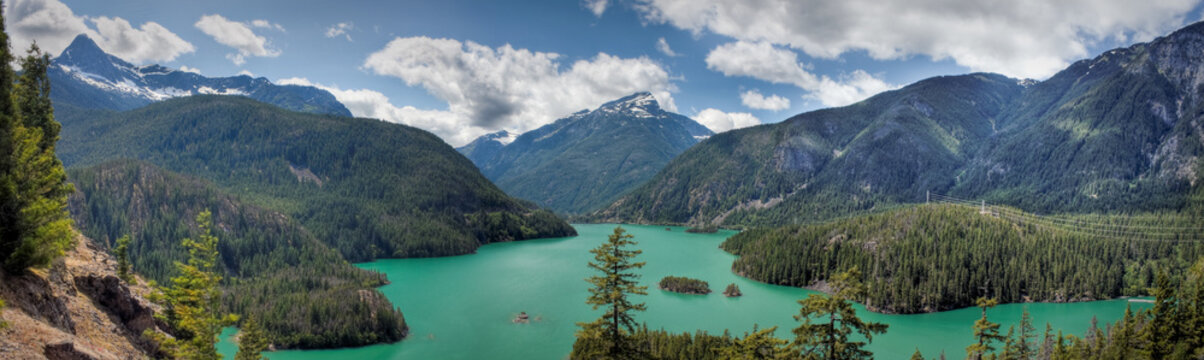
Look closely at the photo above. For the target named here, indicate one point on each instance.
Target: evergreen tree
(34, 224)
(123, 259)
(917, 355)
(252, 342)
(829, 320)
(985, 331)
(1159, 334)
(760, 344)
(1025, 347)
(611, 290)
(193, 300)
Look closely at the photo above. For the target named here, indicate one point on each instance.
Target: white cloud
(340, 29)
(719, 121)
(261, 23)
(596, 6)
(186, 68)
(236, 35)
(764, 61)
(1022, 38)
(453, 128)
(753, 99)
(54, 25)
(516, 89)
(246, 72)
(663, 47)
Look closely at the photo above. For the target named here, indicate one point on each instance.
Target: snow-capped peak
(640, 104)
(504, 137)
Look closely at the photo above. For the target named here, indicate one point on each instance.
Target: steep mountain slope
(85, 76)
(1122, 131)
(588, 159)
(889, 148)
(302, 291)
(367, 188)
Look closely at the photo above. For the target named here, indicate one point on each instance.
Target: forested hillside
(941, 257)
(367, 188)
(1122, 132)
(303, 292)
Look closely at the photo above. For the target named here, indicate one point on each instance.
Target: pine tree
(917, 355)
(1159, 334)
(829, 320)
(985, 331)
(253, 341)
(193, 300)
(1025, 348)
(761, 344)
(611, 290)
(123, 259)
(34, 224)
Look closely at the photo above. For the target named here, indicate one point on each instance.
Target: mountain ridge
(586, 159)
(84, 75)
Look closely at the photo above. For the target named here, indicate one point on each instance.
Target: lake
(461, 307)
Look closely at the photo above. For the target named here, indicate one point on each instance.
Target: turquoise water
(461, 307)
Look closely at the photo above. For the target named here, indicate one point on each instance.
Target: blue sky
(463, 68)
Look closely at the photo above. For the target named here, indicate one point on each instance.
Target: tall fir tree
(828, 321)
(252, 341)
(611, 290)
(759, 345)
(985, 332)
(1159, 334)
(34, 225)
(193, 300)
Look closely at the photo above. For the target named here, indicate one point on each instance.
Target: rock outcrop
(76, 309)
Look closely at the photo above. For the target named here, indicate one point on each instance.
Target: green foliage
(193, 300)
(684, 285)
(732, 290)
(985, 331)
(303, 293)
(613, 259)
(366, 188)
(123, 259)
(760, 344)
(34, 224)
(3, 324)
(252, 341)
(942, 257)
(829, 320)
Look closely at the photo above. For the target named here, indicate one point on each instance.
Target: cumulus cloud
(719, 121)
(53, 25)
(236, 35)
(186, 68)
(663, 47)
(596, 6)
(753, 99)
(246, 72)
(261, 23)
(340, 29)
(515, 89)
(764, 61)
(1021, 38)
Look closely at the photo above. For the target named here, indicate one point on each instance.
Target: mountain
(1121, 132)
(588, 159)
(364, 187)
(303, 292)
(85, 76)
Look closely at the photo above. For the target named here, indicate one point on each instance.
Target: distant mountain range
(85, 76)
(1121, 132)
(588, 159)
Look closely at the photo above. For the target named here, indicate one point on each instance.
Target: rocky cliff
(76, 309)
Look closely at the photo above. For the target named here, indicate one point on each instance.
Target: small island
(685, 285)
(732, 291)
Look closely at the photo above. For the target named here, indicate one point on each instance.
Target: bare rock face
(76, 309)
(66, 351)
